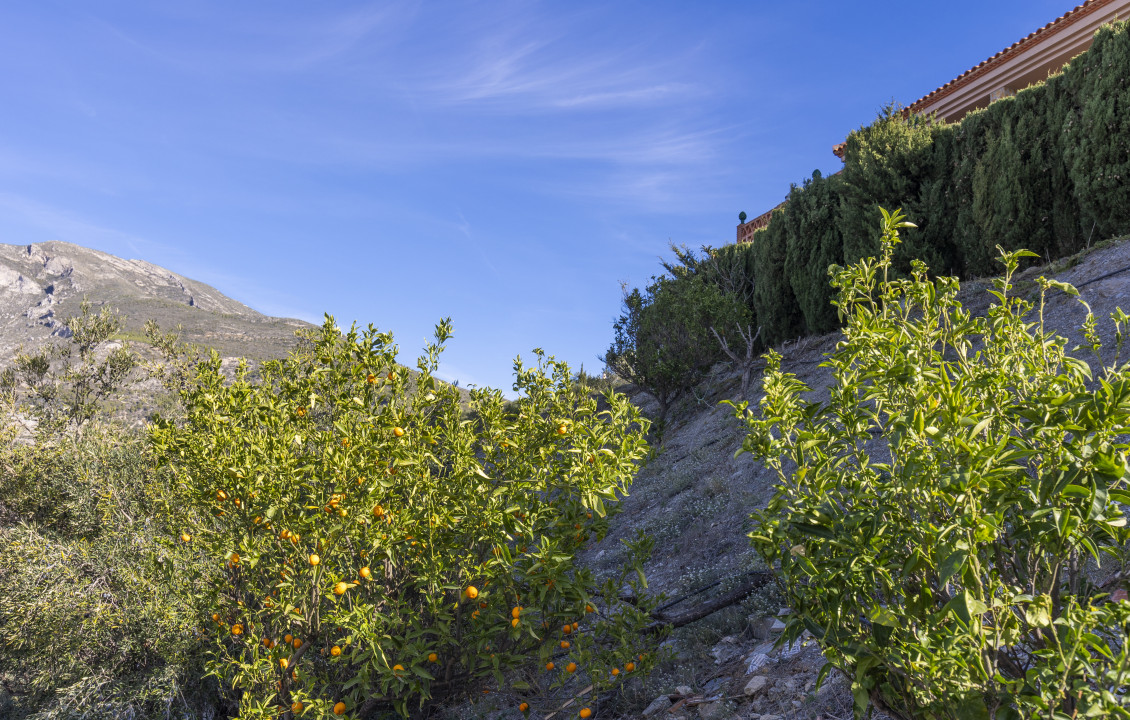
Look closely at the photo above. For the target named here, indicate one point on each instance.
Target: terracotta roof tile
(1063, 21)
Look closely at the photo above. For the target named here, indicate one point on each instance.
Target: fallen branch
(756, 580)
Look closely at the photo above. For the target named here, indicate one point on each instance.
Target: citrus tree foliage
(663, 342)
(940, 518)
(381, 545)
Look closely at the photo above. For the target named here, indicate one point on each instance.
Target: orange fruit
(297, 643)
(566, 629)
(516, 612)
(335, 650)
(390, 375)
(378, 511)
(432, 657)
(589, 608)
(561, 430)
(549, 666)
(215, 617)
(514, 622)
(398, 431)
(340, 588)
(301, 412)
(287, 638)
(296, 707)
(398, 668)
(370, 378)
(267, 643)
(339, 708)
(571, 667)
(564, 644)
(282, 663)
(585, 713)
(185, 537)
(235, 558)
(524, 707)
(471, 592)
(629, 667)
(314, 559)
(221, 495)
(237, 629)
(365, 572)
(615, 672)
(575, 626)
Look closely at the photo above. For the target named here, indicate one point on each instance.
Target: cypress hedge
(1047, 170)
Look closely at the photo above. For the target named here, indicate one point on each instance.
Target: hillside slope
(695, 499)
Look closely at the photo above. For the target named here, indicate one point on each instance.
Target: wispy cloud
(525, 64)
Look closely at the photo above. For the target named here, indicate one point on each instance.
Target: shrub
(378, 547)
(663, 342)
(953, 579)
(93, 623)
(65, 386)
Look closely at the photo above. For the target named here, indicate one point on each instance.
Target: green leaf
(952, 565)
(1038, 612)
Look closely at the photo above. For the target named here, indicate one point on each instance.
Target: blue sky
(505, 163)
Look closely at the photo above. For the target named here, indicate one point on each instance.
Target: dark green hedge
(1047, 170)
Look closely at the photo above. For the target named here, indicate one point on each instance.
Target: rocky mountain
(41, 285)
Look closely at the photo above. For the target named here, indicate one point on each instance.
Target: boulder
(658, 705)
(755, 685)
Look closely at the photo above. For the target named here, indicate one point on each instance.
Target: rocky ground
(695, 499)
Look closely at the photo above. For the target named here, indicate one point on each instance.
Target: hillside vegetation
(919, 512)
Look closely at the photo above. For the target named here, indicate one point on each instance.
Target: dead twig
(746, 363)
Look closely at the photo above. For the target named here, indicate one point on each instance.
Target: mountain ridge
(42, 284)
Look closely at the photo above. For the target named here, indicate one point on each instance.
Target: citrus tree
(383, 543)
(947, 522)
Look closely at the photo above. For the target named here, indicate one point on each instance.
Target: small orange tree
(383, 543)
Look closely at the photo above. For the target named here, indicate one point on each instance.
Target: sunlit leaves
(940, 517)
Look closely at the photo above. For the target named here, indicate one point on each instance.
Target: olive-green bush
(93, 621)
